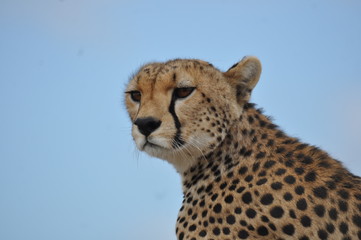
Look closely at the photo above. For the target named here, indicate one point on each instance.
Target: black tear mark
(174, 77)
(177, 141)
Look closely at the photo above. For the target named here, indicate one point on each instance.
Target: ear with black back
(243, 76)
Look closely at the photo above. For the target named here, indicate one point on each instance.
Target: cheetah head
(182, 109)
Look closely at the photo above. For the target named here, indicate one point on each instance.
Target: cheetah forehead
(173, 72)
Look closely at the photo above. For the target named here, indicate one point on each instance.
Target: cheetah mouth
(151, 145)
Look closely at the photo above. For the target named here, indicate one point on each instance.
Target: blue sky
(68, 166)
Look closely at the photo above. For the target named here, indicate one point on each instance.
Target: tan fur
(243, 178)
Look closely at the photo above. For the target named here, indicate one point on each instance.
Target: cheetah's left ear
(244, 76)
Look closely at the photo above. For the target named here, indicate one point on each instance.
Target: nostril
(147, 125)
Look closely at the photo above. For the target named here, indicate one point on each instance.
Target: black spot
(322, 234)
(287, 196)
(310, 177)
(261, 181)
(299, 190)
(288, 229)
(230, 219)
(192, 227)
(301, 204)
(276, 186)
(333, 213)
(280, 150)
(343, 227)
(290, 179)
(343, 206)
(264, 219)
(216, 231)
(243, 223)
(181, 236)
(214, 196)
(344, 194)
(277, 212)
(255, 167)
(262, 230)
(356, 219)
(330, 228)
(279, 134)
(270, 143)
(307, 160)
(204, 213)
(240, 189)
(247, 197)
(319, 210)
(190, 211)
(320, 192)
(306, 221)
(293, 214)
(331, 184)
(223, 186)
(228, 199)
(260, 155)
(299, 170)
(358, 196)
(269, 163)
(226, 231)
(250, 119)
(290, 163)
(272, 226)
(242, 170)
(251, 213)
(324, 164)
(248, 178)
(209, 188)
(304, 238)
(202, 233)
(248, 153)
(217, 208)
(267, 199)
(238, 210)
(262, 123)
(243, 234)
(280, 171)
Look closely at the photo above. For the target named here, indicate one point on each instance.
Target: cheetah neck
(251, 136)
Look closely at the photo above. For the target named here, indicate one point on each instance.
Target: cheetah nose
(147, 125)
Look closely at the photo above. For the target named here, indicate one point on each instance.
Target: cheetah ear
(244, 76)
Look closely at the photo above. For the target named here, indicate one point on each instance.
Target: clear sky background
(68, 166)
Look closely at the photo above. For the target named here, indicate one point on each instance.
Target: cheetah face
(182, 109)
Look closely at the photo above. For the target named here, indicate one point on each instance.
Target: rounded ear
(243, 76)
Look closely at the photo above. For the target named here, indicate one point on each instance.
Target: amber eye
(183, 92)
(135, 95)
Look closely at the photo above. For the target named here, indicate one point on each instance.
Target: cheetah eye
(135, 96)
(183, 92)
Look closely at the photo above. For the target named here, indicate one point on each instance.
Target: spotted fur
(243, 178)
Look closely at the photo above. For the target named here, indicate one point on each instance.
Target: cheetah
(242, 177)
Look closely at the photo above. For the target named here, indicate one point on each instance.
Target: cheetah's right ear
(244, 76)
